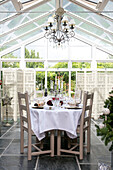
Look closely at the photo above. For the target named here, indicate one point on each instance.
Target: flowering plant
(0, 82)
(106, 130)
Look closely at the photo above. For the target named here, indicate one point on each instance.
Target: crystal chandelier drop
(58, 29)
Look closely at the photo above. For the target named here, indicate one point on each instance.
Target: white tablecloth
(43, 120)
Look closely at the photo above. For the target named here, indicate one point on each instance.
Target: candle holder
(51, 90)
(45, 94)
(55, 93)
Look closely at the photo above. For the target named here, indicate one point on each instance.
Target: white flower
(101, 113)
(101, 125)
(111, 94)
(106, 111)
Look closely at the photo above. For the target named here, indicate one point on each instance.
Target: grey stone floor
(11, 159)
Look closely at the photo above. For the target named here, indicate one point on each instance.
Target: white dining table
(43, 120)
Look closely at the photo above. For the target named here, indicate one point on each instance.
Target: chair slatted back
(24, 111)
(87, 109)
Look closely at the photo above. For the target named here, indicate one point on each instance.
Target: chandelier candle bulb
(65, 19)
(72, 22)
(50, 20)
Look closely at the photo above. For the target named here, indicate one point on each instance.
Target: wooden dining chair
(85, 123)
(25, 125)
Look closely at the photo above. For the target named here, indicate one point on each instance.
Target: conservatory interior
(55, 50)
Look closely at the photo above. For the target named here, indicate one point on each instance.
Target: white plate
(37, 107)
(72, 107)
(46, 107)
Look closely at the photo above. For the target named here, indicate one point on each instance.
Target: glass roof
(17, 26)
(109, 7)
(9, 8)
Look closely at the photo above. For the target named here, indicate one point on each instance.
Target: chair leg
(81, 146)
(52, 143)
(69, 142)
(58, 142)
(22, 141)
(29, 146)
(84, 136)
(88, 140)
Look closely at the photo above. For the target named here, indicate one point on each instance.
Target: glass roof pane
(99, 20)
(34, 33)
(24, 17)
(52, 2)
(65, 2)
(13, 23)
(92, 29)
(96, 31)
(95, 40)
(109, 7)
(23, 30)
(39, 10)
(8, 7)
(8, 45)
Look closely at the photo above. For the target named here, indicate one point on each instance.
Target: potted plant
(105, 129)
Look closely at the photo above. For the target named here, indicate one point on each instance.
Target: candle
(62, 85)
(56, 79)
(59, 83)
(55, 82)
(51, 84)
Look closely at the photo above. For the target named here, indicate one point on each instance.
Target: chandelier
(58, 29)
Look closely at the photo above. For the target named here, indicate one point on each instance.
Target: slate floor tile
(57, 163)
(16, 163)
(89, 167)
(4, 142)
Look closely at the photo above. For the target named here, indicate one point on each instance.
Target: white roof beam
(58, 3)
(34, 5)
(84, 5)
(27, 23)
(40, 2)
(102, 5)
(94, 35)
(17, 46)
(28, 3)
(1, 3)
(17, 5)
(8, 18)
(89, 22)
(18, 37)
(87, 41)
(91, 9)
